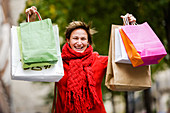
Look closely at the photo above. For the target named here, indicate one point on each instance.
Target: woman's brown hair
(79, 24)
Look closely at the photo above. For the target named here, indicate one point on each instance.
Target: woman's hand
(31, 13)
(130, 17)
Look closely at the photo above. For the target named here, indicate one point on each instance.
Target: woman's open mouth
(79, 49)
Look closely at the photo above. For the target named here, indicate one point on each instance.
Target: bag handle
(126, 21)
(38, 14)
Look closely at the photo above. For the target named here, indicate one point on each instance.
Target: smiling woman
(78, 40)
(79, 91)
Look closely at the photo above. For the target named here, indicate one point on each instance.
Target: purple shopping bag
(146, 43)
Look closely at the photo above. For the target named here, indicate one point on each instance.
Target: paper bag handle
(38, 14)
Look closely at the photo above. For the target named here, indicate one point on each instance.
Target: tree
(104, 13)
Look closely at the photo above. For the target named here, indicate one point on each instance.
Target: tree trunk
(167, 26)
(4, 49)
(147, 100)
(126, 101)
(130, 102)
(4, 100)
(113, 104)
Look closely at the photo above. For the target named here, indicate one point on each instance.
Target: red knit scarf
(81, 92)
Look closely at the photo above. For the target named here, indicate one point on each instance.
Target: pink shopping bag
(146, 43)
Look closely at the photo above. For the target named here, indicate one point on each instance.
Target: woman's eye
(83, 38)
(75, 38)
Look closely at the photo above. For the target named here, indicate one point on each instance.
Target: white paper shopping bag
(120, 52)
(51, 73)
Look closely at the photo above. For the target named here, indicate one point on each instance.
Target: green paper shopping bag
(38, 42)
(29, 65)
(51, 73)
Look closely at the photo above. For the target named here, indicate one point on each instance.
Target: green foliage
(104, 13)
(154, 13)
(57, 11)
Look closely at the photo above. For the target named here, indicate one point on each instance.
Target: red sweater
(99, 68)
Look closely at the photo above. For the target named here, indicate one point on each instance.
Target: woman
(79, 91)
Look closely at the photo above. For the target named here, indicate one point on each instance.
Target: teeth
(78, 47)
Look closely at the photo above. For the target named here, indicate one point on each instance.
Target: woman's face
(78, 40)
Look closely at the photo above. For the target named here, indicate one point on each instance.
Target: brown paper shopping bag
(124, 77)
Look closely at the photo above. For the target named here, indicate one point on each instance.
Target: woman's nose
(79, 41)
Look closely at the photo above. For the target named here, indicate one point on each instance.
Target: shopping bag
(51, 73)
(125, 77)
(120, 52)
(142, 44)
(33, 64)
(38, 42)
